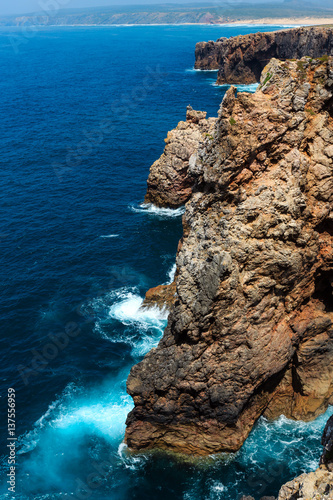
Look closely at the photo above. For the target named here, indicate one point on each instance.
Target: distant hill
(211, 13)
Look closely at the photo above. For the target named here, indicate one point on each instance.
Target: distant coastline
(287, 13)
(283, 23)
(308, 21)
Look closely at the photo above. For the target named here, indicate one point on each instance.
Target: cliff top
(242, 58)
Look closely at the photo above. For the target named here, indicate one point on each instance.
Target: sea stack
(169, 182)
(250, 332)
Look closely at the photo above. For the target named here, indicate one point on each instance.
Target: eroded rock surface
(251, 329)
(314, 486)
(241, 59)
(162, 296)
(169, 181)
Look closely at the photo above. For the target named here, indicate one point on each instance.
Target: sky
(8, 7)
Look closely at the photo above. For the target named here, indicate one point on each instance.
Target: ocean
(84, 112)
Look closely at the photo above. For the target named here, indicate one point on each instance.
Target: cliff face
(169, 181)
(327, 442)
(251, 329)
(241, 59)
(318, 484)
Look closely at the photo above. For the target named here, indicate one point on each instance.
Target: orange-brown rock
(169, 181)
(251, 331)
(316, 485)
(241, 59)
(162, 296)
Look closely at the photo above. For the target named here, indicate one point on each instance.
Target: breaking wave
(151, 209)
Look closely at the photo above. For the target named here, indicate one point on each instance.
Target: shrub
(268, 77)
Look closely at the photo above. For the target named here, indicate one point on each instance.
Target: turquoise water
(83, 113)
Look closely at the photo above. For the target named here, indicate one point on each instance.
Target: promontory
(250, 329)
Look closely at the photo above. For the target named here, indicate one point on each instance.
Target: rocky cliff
(250, 332)
(316, 485)
(169, 182)
(241, 59)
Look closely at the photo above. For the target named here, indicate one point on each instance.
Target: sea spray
(151, 209)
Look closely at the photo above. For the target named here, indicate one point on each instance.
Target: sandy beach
(299, 21)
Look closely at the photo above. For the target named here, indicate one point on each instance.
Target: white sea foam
(222, 25)
(250, 25)
(106, 417)
(171, 274)
(195, 70)
(79, 412)
(219, 487)
(82, 424)
(140, 340)
(129, 310)
(110, 236)
(157, 211)
(252, 87)
(217, 491)
(145, 326)
(286, 423)
(148, 323)
(129, 461)
(28, 441)
(278, 441)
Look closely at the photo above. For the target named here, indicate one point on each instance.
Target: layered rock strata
(250, 333)
(241, 59)
(169, 181)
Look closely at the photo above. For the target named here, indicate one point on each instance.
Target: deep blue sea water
(83, 115)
